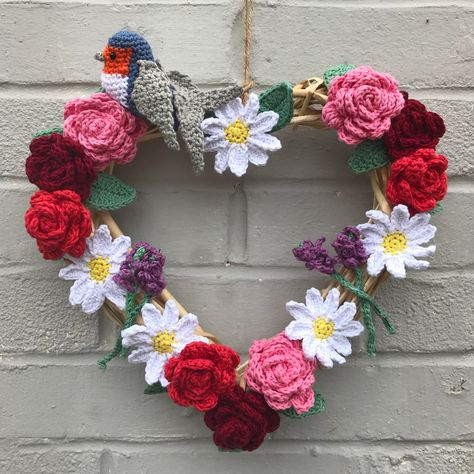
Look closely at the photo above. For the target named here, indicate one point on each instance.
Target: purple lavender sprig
(349, 248)
(315, 256)
(142, 269)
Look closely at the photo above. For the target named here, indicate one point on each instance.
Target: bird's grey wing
(190, 114)
(153, 98)
(214, 98)
(181, 81)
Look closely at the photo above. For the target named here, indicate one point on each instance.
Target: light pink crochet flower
(361, 103)
(107, 131)
(279, 371)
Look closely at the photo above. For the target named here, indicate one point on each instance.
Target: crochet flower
(241, 420)
(315, 256)
(162, 337)
(418, 180)
(279, 370)
(414, 128)
(107, 131)
(142, 269)
(200, 374)
(93, 272)
(349, 248)
(239, 135)
(56, 163)
(395, 241)
(59, 223)
(361, 103)
(323, 326)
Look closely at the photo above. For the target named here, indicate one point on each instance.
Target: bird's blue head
(120, 70)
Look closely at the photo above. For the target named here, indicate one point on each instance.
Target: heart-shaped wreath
(395, 138)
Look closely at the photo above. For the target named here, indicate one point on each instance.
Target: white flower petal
(215, 143)
(335, 356)
(315, 302)
(379, 217)
(299, 329)
(222, 161)
(186, 325)
(170, 314)
(93, 299)
(230, 112)
(331, 303)
(396, 266)
(78, 291)
(257, 156)
(137, 336)
(399, 218)
(251, 109)
(352, 329)
(238, 159)
(411, 262)
(323, 355)
(416, 222)
(375, 263)
(340, 344)
(421, 235)
(155, 367)
(264, 122)
(298, 310)
(114, 293)
(140, 355)
(344, 314)
(213, 126)
(372, 231)
(265, 142)
(152, 318)
(419, 251)
(119, 249)
(100, 242)
(73, 272)
(310, 347)
(163, 380)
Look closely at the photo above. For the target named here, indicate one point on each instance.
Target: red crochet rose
(200, 374)
(59, 223)
(414, 128)
(56, 162)
(418, 180)
(241, 420)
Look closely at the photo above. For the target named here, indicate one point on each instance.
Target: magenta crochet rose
(361, 103)
(107, 131)
(279, 371)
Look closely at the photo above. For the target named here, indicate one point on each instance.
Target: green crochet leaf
(335, 71)
(108, 193)
(438, 208)
(318, 407)
(155, 388)
(48, 131)
(279, 99)
(368, 155)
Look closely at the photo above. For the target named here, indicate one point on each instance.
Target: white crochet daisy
(239, 135)
(162, 337)
(394, 241)
(93, 272)
(323, 326)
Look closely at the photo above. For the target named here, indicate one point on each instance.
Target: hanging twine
(248, 21)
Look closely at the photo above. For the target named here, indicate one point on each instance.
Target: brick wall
(227, 240)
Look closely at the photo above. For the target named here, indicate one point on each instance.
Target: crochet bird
(169, 100)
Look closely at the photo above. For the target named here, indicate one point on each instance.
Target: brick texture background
(227, 240)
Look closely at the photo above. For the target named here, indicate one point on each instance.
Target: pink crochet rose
(107, 131)
(361, 103)
(279, 371)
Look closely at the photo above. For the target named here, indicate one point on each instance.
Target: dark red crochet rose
(56, 162)
(414, 128)
(59, 223)
(419, 180)
(241, 420)
(200, 374)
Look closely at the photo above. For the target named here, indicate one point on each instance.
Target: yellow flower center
(237, 132)
(322, 328)
(394, 243)
(99, 268)
(163, 342)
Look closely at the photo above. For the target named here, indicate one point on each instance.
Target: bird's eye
(112, 55)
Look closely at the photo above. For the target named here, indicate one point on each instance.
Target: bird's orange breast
(117, 60)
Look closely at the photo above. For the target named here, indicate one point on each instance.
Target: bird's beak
(99, 57)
